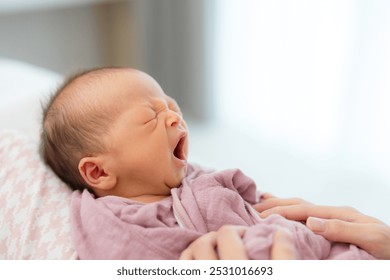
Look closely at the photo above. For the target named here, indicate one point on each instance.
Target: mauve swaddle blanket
(117, 228)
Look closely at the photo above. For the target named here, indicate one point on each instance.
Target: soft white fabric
(22, 89)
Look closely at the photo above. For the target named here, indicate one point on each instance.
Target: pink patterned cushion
(34, 204)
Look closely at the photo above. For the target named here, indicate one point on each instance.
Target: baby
(115, 132)
(121, 143)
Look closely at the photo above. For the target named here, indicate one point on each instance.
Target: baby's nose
(173, 118)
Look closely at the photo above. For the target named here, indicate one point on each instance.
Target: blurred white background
(294, 93)
(304, 88)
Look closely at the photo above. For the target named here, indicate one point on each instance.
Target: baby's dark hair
(75, 123)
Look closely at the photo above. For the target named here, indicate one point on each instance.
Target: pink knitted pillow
(34, 204)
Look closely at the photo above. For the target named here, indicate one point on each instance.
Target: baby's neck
(149, 198)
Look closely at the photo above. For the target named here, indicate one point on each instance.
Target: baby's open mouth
(179, 149)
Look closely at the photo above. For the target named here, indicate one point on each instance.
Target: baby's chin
(177, 176)
(177, 183)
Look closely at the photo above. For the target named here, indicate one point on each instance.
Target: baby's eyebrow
(159, 104)
(174, 106)
(172, 101)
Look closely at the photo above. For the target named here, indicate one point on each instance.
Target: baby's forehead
(117, 88)
(133, 85)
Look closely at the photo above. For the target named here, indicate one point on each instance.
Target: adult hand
(226, 244)
(339, 224)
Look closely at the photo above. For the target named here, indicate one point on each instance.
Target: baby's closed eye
(149, 116)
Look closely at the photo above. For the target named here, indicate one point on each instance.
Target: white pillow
(22, 89)
(34, 212)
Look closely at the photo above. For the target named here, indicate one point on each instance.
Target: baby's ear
(92, 171)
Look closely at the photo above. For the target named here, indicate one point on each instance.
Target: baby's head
(115, 132)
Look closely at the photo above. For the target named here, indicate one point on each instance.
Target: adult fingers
(292, 212)
(203, 248)
(267, 196)
(229, 243)
(372, 237)
(283, 247)
(302, 211)
(186, 255)
(273, 202)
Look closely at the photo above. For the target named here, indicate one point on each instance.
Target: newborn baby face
(148, 143)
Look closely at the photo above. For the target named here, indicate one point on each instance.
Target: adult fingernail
(315, 224)
(263, 215)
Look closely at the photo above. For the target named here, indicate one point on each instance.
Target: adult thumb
(340, 231)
